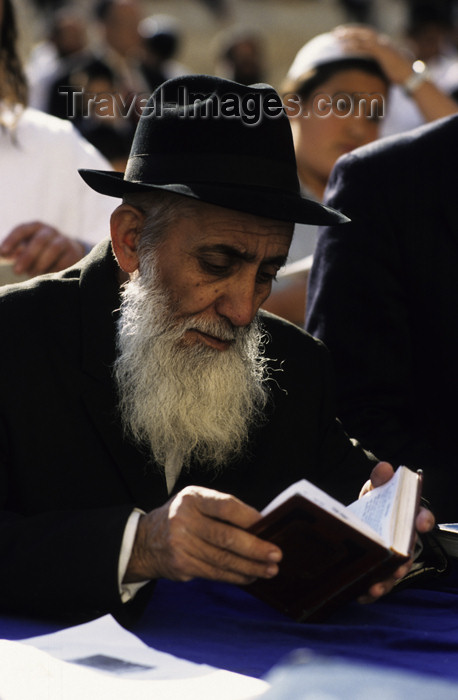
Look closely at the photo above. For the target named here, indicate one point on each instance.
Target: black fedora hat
(220, 142)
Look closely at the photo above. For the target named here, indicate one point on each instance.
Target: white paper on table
(100, 660)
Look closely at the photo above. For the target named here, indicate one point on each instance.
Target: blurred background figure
(63, 50)
(98, 115)
(361, 11)
(126, 54)
(48, 6)
(221, 9)
(429, 40)
(120, 44)
(384, 298)
(430, 33)
(97, 84)
(161, 40)
(48, 221)
(324, 67)
(240, 55)
(348, 72)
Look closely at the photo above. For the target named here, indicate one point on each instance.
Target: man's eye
(266, 276)
(214, 267)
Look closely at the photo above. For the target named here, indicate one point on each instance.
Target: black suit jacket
(68, 478)
(383, 296)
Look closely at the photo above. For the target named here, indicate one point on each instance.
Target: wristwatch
(419, 74)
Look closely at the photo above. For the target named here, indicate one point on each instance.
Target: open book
(332, 553)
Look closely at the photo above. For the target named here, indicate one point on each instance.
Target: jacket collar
(100, 300)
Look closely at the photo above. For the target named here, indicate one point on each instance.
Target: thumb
(381, 473)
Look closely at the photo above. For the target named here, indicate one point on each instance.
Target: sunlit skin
(218, 266)
(320, 140)
(121, 27)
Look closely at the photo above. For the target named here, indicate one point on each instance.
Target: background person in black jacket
(383, 296)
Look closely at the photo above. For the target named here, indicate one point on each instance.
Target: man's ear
(126, 225)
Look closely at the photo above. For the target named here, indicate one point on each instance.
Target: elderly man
(147, 409)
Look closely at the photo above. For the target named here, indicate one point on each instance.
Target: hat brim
(269, 203)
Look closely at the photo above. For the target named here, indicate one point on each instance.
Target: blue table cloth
(224, 626)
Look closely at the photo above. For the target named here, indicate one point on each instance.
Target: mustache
(222, 329)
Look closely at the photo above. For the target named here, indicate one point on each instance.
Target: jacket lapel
(100, 299)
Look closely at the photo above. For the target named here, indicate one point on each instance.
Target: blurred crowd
(95, 64)
(114, 48)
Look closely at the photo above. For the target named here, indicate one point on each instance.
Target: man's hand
(201, 533)
(382, 473)
(37, 248)
(396, 63)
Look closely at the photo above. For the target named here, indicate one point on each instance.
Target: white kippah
(322, 49)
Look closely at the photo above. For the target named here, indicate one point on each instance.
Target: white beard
(185, 401)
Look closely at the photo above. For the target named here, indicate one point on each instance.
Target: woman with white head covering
(336, 93)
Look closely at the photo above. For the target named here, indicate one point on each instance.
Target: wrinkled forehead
(207, 224)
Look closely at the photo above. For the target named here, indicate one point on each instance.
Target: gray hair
(161, 209)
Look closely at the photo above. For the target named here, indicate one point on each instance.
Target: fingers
(360, 39)
(393, 60)
(363, 37)
(38, 248)
(19, 235)
(199, 534)
(228, 563)
(209, 525)
(221, 506)
(366, 488)
(425, 520)
(381, 473)
(233, 551)
(381, 588)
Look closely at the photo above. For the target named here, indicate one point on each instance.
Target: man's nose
(238, 301)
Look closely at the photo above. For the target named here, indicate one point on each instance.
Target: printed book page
(380, 508)
(328, 503)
